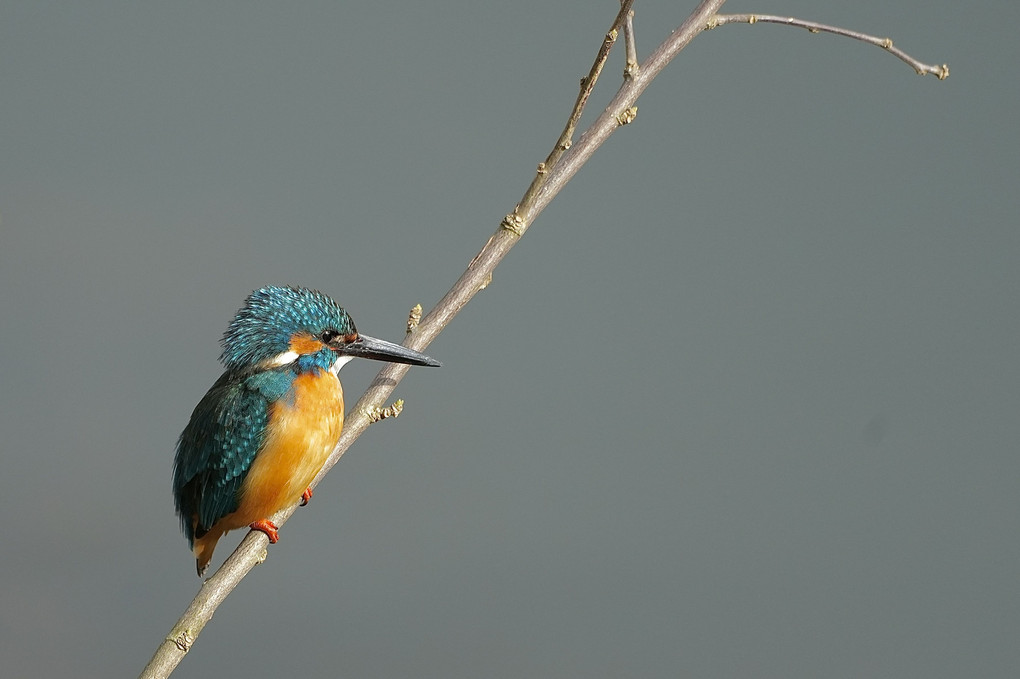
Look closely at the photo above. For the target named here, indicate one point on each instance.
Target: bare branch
(252, 550)
(178, 642)
(616, 113)
(520, 218)
(561, 165)
(940, 72)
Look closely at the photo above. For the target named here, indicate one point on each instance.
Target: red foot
(267, 527)
(306, 496)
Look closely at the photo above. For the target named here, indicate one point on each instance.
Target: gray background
(743, 403)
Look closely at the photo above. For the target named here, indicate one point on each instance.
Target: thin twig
(518, 220)
(940, 72)
(563, 166)
(630, 43)
(616, 113)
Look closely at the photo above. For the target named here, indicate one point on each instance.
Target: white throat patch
(288, 357)
(340, 362)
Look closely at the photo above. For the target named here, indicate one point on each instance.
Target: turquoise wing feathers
(217, 448)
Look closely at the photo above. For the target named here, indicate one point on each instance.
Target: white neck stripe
(282, 359)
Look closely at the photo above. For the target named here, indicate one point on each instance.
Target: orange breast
(299, 438)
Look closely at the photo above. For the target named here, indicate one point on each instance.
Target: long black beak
(381, 350)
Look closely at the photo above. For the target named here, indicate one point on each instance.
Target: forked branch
(559, 167)
(519, 217)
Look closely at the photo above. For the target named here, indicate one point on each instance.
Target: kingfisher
(266, 427)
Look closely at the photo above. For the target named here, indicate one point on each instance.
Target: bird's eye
(328, 336)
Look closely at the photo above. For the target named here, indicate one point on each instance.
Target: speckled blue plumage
(227, 428)
(270, 316)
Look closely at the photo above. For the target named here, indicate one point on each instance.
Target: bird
(265, 428)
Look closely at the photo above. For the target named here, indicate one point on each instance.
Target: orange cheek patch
(305, 344)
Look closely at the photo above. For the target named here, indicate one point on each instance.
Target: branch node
(886, 43)
(514, 223)
(376, 413)
(627, 116)
(183, 641)
(413, 318)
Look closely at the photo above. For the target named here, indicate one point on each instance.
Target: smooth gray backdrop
(743, 403)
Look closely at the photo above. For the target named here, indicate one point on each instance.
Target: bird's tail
(203, 549)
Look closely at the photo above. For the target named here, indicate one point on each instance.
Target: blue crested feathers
(263, 327)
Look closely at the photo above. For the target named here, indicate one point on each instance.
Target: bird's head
(280, 326)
